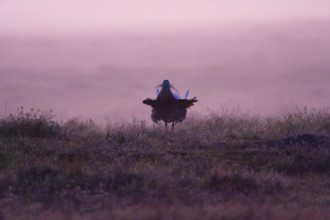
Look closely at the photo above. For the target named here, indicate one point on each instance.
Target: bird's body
(169, 107)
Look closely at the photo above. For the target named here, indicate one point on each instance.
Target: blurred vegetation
(227, 165)
(29, 124)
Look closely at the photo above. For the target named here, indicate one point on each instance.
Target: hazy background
(100, 59)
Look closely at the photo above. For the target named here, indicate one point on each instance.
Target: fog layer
(262, 69)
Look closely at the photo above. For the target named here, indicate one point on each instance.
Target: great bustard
(168, 106)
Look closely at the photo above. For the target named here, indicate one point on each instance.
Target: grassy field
(222, 166)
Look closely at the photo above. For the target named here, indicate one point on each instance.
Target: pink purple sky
(99, 59)
(103, 15)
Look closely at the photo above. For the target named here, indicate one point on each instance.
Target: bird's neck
(165, 94)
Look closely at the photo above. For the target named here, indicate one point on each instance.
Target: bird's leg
(172, 127)
(166, 126)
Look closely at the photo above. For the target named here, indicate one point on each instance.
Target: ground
(223, 166)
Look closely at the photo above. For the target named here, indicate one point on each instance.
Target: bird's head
(166, 84)
(166, 87)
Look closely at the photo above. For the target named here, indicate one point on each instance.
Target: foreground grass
(224, 166)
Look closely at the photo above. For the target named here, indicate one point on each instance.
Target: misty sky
(99, 59)
(126, 15)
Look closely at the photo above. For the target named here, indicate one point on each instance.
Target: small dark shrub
(322, 165)
(33, 180)
(4, 160)
(119, 138)
(185, 181)
(301, 164)
(33, 124)
(78, 129)
(38, 184)
(125, 183)
(232, 183)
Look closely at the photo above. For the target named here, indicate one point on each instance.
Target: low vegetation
(31, 124)
(222, 166)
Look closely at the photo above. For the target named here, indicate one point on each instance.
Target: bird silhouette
(168, 106)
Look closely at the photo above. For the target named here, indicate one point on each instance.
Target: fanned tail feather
(150, 102)
(186, 103)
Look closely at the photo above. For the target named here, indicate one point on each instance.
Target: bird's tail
(150, 102)
(186, 103)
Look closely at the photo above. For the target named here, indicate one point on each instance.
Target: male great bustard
(168, 106)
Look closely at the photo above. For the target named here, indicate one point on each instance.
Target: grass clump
(232, 183)
(37, 123)
(305, 161)
(126, 183)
